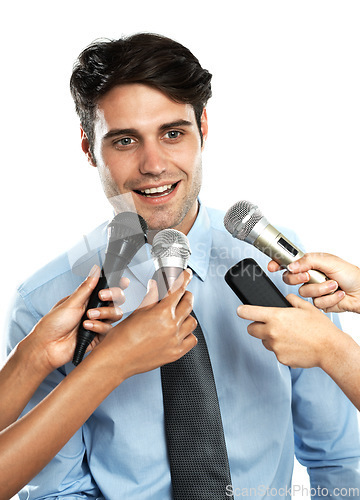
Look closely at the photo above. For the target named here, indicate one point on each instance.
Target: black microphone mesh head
(236, 215)
(127, 224)
(171, 243)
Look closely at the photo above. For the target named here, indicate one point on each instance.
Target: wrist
(336, 347)
(107, 365)
(33, 355)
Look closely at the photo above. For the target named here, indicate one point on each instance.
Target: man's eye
(173, 134)
(125, 141)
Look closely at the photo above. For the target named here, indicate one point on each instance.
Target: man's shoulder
(70, 267)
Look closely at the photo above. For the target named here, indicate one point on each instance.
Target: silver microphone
(171, 252)
(245, 222)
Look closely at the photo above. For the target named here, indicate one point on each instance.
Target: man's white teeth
(160, 189)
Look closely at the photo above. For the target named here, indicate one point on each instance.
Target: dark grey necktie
(195, 438)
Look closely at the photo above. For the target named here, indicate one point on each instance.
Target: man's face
(149, 146)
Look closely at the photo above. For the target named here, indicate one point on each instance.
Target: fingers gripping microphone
(171, 252)
(126, 235)
(245, 222)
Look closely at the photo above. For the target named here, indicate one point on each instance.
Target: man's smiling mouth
(157, 192)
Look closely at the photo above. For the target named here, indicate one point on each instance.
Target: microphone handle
(114, 267)
(165, 277)
(276, 246)
(84, 336)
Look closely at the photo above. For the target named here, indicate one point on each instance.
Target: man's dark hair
(145, 58)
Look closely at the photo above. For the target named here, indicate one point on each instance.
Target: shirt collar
(200, 239)
(142, 265)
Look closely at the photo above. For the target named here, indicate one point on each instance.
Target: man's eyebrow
(119, 131)
(178, 123)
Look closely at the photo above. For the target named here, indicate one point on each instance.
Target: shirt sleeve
(67, 475)
(326, 430)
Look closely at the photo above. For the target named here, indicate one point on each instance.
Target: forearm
(342, 363)
(19, 378)
(29, 444)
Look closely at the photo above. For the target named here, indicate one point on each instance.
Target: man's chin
(163, 225)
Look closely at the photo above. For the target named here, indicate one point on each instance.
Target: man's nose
(152, 160)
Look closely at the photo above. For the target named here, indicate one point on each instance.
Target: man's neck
(185, 225)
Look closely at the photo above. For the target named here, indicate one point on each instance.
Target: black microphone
(245, 222)
(126, 235)
(171, 252)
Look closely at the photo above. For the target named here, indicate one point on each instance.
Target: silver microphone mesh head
(241, 218)
(170, 243)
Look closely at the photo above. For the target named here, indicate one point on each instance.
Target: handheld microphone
(245, 222)
(126, 235)
(171, 252)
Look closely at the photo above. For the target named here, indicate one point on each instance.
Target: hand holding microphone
(314, 339)
(54, 337)
(127, 234)
(156, 333)
(340, 273)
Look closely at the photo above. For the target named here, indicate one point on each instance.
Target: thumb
(299, 303)
(80, 296)
(151, 297)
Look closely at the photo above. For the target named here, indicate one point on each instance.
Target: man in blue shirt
(141, 103)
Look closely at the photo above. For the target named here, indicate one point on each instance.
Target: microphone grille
(171, 243)
(127, 224)
(241, 218)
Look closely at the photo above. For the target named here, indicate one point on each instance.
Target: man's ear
(85, 146)
(204, 127)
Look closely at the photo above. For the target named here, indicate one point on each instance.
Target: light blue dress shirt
(269, 411)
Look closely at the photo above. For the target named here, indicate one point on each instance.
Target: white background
(284, 119)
